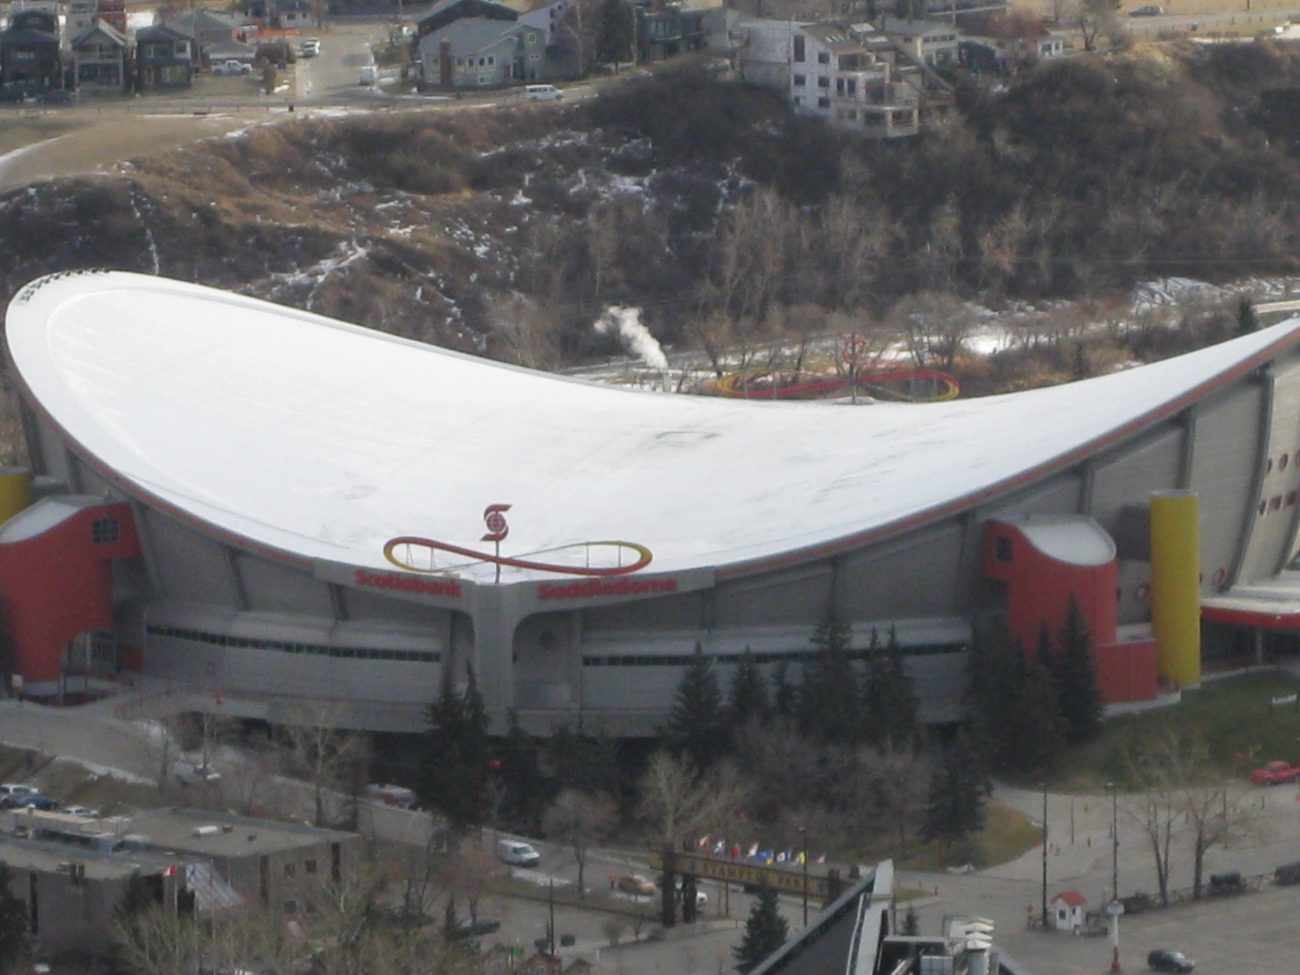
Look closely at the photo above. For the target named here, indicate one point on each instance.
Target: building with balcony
(852, 78)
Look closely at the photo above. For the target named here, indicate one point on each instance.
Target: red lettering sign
(425, 585)
(595, 588)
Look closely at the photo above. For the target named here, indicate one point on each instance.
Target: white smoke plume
(636, 338)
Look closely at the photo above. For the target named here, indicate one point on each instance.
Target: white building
(851, 79)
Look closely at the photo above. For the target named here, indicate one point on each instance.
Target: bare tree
(330, 759)
(935, 327)
(900, 778)
(580, 820)
(677, 804)
(1155, 765)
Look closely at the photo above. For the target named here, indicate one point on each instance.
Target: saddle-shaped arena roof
(322, 440)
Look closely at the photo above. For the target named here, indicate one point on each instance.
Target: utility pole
(1044, 904)
(803, 842)
(1115, 908)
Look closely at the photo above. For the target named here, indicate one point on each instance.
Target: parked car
(468, 927)
(1287, 874)
(12, 794)
(310, 47)
(392, 795)
(37, 801)
(231, 67)
(1164, 960)
(194, 773)
(542, 93)
(1226, 882)
(635, 883)
(518, 854)
(57, 96)
(1148, 10)
(1275, 773)
(83, 811)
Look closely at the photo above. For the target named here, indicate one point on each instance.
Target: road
(1241, 935)
(91, 137)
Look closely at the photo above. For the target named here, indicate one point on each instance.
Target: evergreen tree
(785, 698)
(456, 755)
(13, 923)
(1035, 734)
(955, 806)
(830, 707)
(525, 788)
(1076, 677)
(911, 923)
(584, 762)
(1045, 656)
(749, 700)
(616, 32)
(765, 931)
(890, 704)
(697, 724)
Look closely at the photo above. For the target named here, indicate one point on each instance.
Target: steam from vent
(636, 338)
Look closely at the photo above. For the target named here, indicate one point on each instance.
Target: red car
(1275, 773)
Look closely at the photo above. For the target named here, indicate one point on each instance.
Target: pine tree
(697, 724)
(1035, 734)
(749, 700)
(765, 931)
(525, 787)
(1076, 677)
(911, 923)
(830, 707)
(889, 701)
(785, 698)
(616, 32)
(456, 755)
(955, 807)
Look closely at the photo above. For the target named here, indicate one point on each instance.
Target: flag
(753, 851)
(702, 843)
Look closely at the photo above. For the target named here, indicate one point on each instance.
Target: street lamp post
(1115, 908)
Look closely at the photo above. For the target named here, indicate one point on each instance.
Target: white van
(518, 854)
(542, 93)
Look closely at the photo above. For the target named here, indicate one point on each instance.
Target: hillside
(508, 231)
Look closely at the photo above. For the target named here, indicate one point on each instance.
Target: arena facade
(279, 510)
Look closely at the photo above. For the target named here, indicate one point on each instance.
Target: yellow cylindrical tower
(15, 492)
(1176, 584)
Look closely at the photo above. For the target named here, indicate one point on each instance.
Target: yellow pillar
(1176, 584)
(15, 492)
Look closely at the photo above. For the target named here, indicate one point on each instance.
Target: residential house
(448, 12)
(30, 60)
(293, 15)
(670, 29)
(476, 53)
(926, 41)
(546, 15)
(82, 14)
(965, 12)
(213, 33)
(101, 57)
(851, 79)
(164, 58)
(763, 52)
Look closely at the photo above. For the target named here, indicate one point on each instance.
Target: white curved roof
(323, 440)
